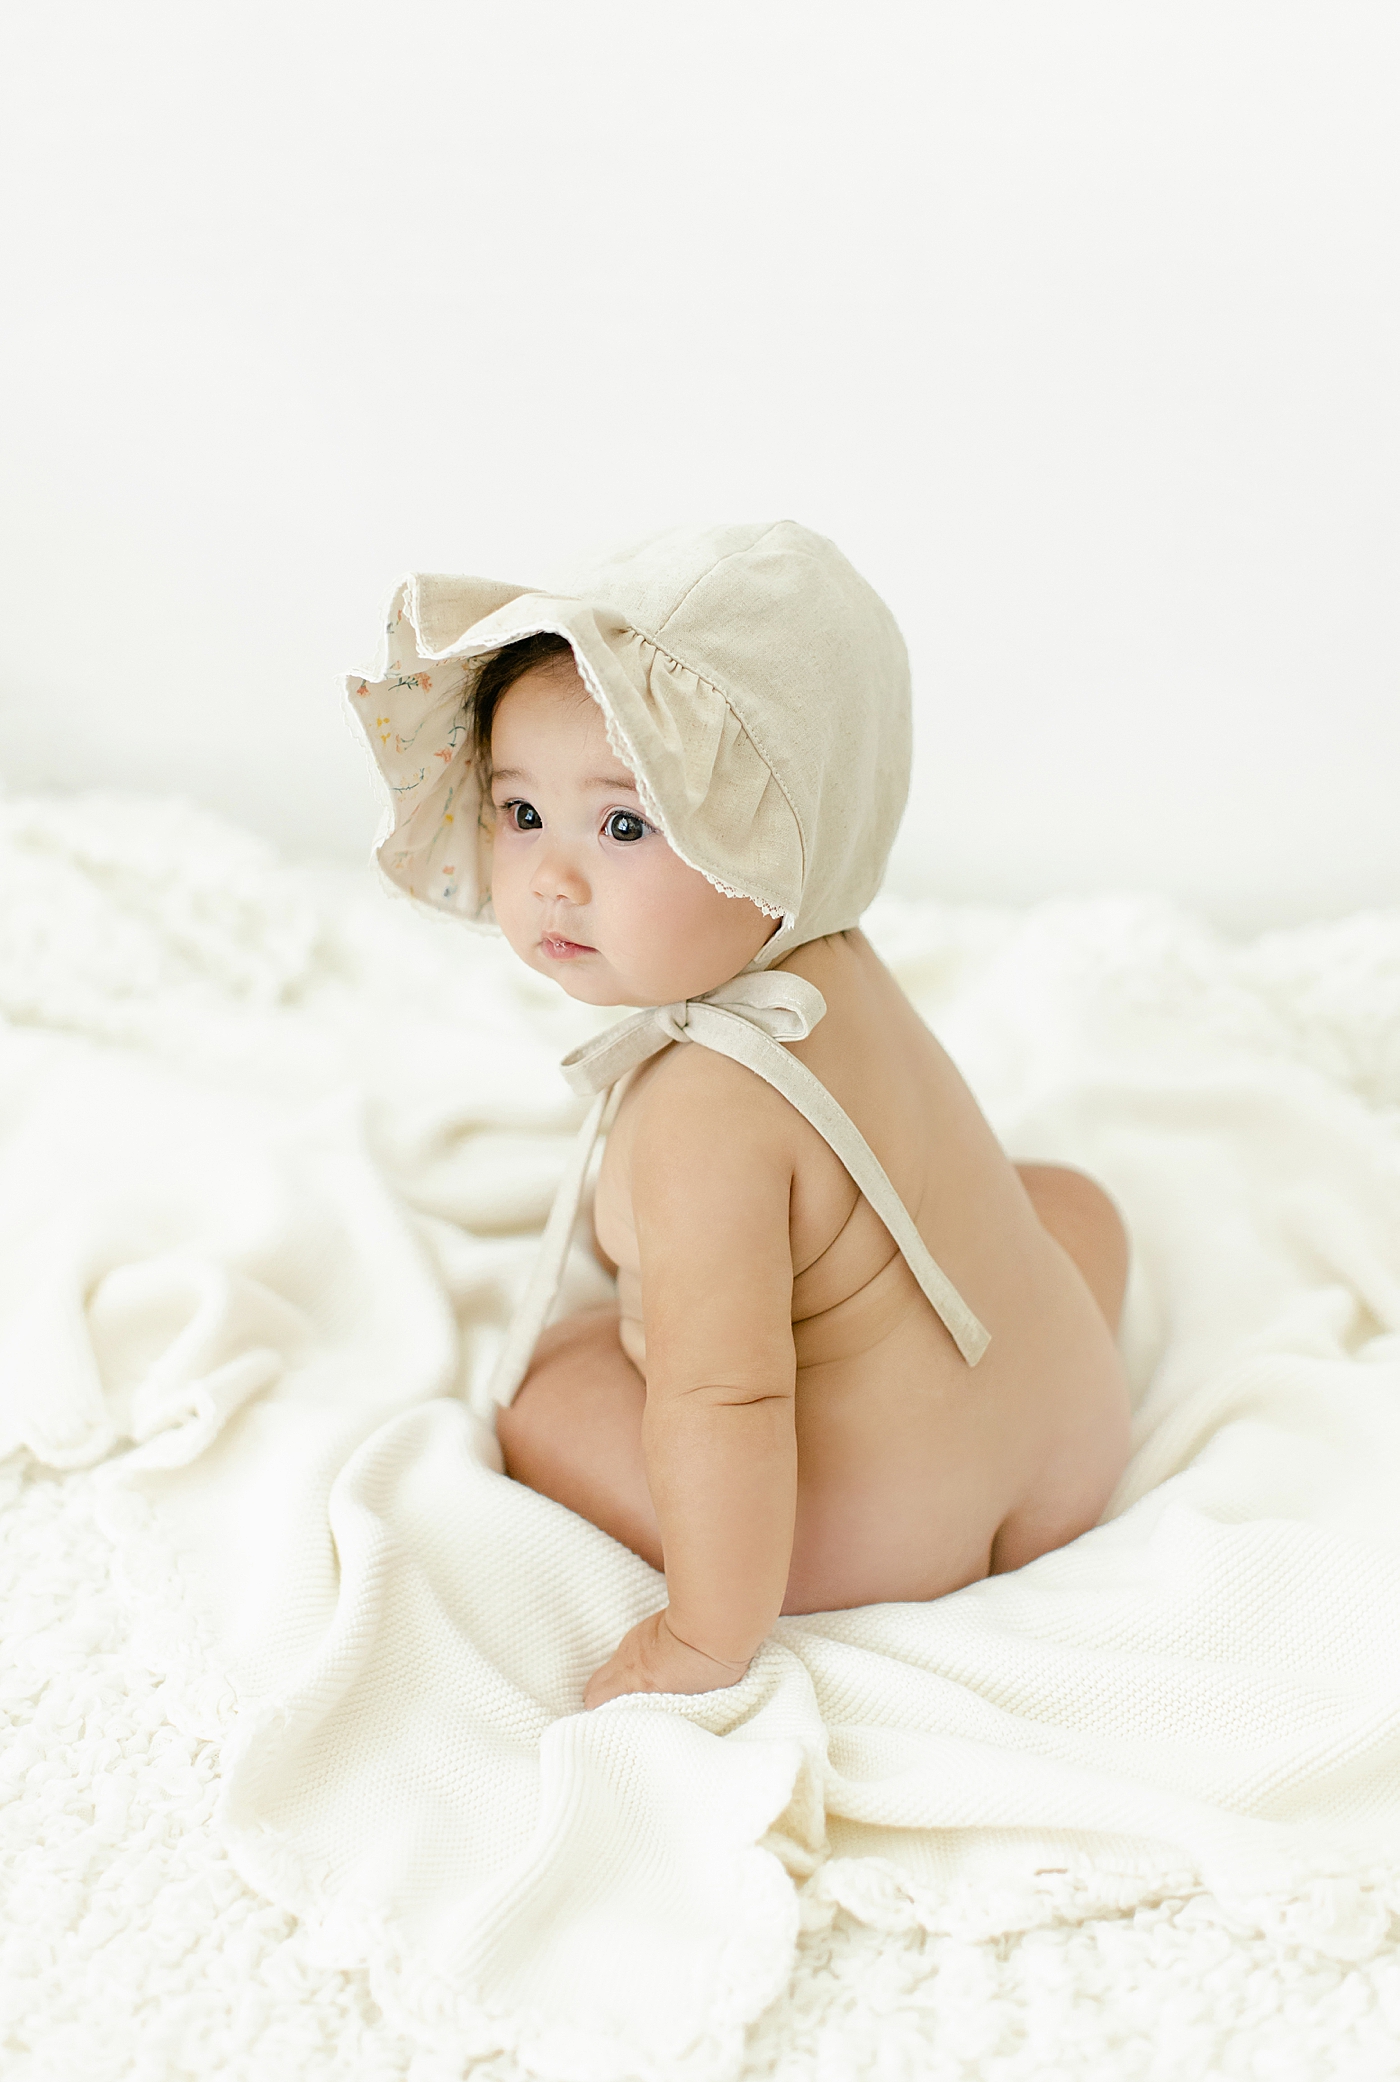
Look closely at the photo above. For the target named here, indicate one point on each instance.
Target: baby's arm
(711, 1180)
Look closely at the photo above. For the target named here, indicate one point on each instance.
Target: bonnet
(753, 683)
(758, 691)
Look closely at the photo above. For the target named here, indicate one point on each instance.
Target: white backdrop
(1077, 324)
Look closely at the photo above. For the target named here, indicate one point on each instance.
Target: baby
(813, 1392)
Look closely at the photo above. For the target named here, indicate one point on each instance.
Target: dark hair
(496, 675)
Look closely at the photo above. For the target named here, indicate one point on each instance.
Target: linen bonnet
(752, 682)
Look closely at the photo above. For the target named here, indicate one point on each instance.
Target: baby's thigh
(574, 1431)
(1078, 1213)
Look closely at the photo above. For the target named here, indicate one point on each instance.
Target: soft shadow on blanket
(272, 1152)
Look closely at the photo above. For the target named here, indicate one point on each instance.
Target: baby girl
(857, 1354)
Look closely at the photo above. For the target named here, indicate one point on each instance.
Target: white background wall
(1075, 322)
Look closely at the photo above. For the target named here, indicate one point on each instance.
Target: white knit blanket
(272, 1155)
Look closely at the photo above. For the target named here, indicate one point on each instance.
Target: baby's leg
(1083, 1221)
(574, 1431)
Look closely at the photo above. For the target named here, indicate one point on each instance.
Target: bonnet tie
(747, 1019)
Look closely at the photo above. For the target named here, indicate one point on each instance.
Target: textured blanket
(271, 1169)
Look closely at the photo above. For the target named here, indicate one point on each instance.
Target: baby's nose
(557, 874)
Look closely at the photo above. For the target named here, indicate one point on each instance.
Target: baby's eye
(625, 825)
(524, 816)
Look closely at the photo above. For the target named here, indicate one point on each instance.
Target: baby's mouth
(560, 949)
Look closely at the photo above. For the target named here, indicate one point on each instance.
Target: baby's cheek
(505, 893)
(657, 925)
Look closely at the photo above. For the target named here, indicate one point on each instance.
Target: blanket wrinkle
(186, 1342)
(390, 1639)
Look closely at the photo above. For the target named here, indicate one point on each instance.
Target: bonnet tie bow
(747, 1019)
(773, 1007)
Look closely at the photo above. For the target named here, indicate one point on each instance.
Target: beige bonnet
(749, 678)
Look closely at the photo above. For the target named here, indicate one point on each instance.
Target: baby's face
(584, 888)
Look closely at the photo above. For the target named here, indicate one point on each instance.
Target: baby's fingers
(620, 1673)
(603, 1685)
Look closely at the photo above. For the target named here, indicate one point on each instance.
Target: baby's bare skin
(775, 1415)
(915, 1474)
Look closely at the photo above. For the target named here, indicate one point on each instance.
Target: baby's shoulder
(693, 1105)
(702, 1154)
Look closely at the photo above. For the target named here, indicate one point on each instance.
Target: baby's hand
(651, 1659)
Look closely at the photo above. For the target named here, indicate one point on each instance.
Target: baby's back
(916, 1473)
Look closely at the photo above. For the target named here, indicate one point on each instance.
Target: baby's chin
(592, 980)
